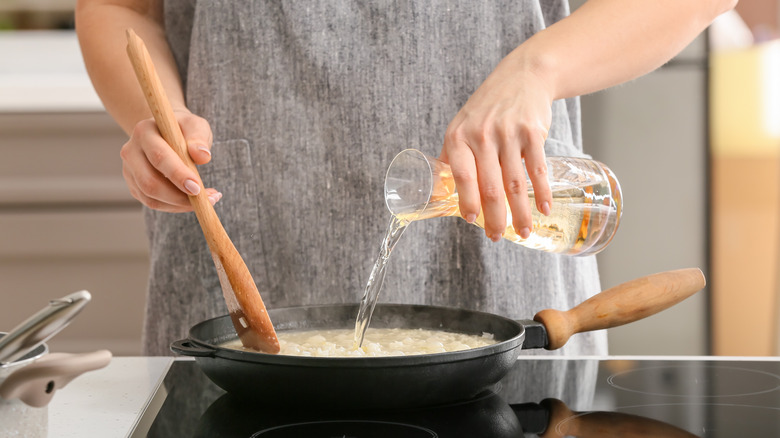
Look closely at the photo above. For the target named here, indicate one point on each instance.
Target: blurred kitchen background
(695, 145)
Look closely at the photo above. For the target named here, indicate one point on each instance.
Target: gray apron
(309, 101)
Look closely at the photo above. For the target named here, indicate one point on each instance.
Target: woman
(307, 102)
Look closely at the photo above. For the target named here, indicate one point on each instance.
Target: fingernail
(525, 232)
(192, 187)
(471, 218)
(205, 149)
(496, 237)
(215, 198)
(546, 208)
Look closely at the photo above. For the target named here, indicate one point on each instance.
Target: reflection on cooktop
(716, 419)
(555, 397)
(487, 414)
(356, 428)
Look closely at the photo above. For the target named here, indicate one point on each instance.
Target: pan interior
(505, 331)
(395, 316)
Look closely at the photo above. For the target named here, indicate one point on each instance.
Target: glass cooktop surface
(553, 397)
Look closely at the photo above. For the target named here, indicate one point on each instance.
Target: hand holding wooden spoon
(244, 303)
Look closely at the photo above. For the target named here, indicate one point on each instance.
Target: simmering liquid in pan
(377, 342)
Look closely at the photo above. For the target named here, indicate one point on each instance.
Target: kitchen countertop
(114, 398)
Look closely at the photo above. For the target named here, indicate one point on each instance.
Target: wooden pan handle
(624, 303)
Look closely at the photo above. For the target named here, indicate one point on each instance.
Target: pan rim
(511, 343)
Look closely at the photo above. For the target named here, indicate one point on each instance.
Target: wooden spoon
(244, 303)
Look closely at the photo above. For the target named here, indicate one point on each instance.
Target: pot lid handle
(36, 384)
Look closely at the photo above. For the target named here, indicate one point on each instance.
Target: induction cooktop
(554, 397)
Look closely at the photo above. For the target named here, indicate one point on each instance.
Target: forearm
(101, 26)
(607, 42)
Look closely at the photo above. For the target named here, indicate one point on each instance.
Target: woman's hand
(601, 44)
(504, 122)
(154, 172)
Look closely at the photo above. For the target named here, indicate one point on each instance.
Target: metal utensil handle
(42, 326)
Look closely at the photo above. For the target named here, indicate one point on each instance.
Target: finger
(197, 133)
(464, 173)
(137, 190)
(214, 195)
(492, 195)
(167, 200)
(167, 162)
(145, 182)
(149, 185)
(536, 166)
(516, 188)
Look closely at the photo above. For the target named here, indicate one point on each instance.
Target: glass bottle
(584, 215)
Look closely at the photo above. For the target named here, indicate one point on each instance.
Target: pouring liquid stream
(371, 294)
(575, 225)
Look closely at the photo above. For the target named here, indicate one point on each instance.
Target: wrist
(537, 66)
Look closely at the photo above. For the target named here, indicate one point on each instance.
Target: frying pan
(421, 380)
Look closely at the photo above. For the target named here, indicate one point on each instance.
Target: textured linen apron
(309, 101)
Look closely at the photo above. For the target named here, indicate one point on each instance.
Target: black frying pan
(422, 380)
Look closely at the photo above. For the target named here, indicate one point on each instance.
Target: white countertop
(43, 71)
(108, 402)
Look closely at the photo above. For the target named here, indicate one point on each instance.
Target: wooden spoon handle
(169, 128)
(624, 303)
(244, 303)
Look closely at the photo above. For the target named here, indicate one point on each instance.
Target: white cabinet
(67, 222)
